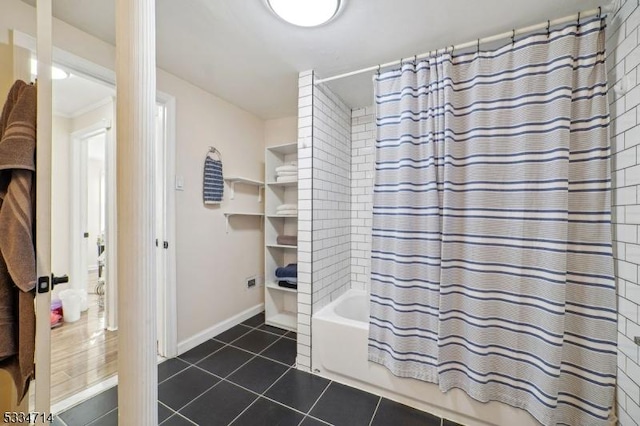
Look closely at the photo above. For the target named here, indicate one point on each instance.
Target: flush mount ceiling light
(305, 13)
(56, 73)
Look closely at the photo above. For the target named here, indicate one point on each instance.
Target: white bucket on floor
(84, 300)
(71, 303)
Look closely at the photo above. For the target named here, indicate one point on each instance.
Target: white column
(136, 93)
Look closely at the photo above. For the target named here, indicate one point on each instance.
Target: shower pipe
(612, 8)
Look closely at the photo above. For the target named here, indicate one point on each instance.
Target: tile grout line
(196, 398)
(225, 379)
(260, 354)
(104, 415)
(376, 411)
(267, 397)
(259, 395)
(265, 331)
(275, 381)
(179, 415)
(168, 408)
(188, 364)
(205, 391)
(319, 396)
(233, 371)
(243, 411)
(309, 416)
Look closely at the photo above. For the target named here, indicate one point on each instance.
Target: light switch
(179, 183)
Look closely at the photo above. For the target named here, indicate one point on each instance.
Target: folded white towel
(288, 168)
(287, 212)
(287, 207)
(287, 179)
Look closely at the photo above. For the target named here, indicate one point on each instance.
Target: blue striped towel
(213, 187)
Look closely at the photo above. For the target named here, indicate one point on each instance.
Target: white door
(43, 211)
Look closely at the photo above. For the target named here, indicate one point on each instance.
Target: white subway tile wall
(623, 58)
(363, 157)
(305, 101)
(331, 197)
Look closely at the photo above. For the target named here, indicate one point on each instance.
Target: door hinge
(166, 244)
(156, 242)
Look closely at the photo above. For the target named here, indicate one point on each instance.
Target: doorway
(84, 353)
(83, 348)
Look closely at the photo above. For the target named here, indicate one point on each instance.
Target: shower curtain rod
(611, 8)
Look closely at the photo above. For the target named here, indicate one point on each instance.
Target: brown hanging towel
(17, 252)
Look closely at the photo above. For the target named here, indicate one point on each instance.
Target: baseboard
(210, 332)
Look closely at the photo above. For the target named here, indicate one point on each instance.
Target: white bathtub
(340, 333)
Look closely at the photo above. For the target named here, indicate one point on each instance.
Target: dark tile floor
(245, 377)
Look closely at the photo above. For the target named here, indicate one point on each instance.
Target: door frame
(167, 295)
(167, 309)
(78, 166)
(168, 333)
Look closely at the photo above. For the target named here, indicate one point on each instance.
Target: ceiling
(240, 51)
(75, 95)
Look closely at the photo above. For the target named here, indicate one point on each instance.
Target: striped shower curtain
(492, 267)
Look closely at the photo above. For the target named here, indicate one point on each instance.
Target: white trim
(84, 395)
(78, 165)
(169, 311)
(91, 107)
(44, 25)
(69, 61)
(111, 229)
(92, 130)
(225, 325)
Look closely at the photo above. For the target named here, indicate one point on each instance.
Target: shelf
(286, 320)
(280, 303)
(283, 184)
(227, 215)
(275, 286)
(284, 246)
(285, 149)
(233, 180)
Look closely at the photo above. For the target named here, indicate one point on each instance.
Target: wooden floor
(83, 353)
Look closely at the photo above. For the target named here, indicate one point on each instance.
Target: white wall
(280, 131)
(211, 265)
(623, 60)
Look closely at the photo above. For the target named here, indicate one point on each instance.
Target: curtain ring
(513, 36)
(378, 72)
(452, 49)
(599, 11)
(548, 28)
(578, 25)
(478, 47)
(415, 59)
